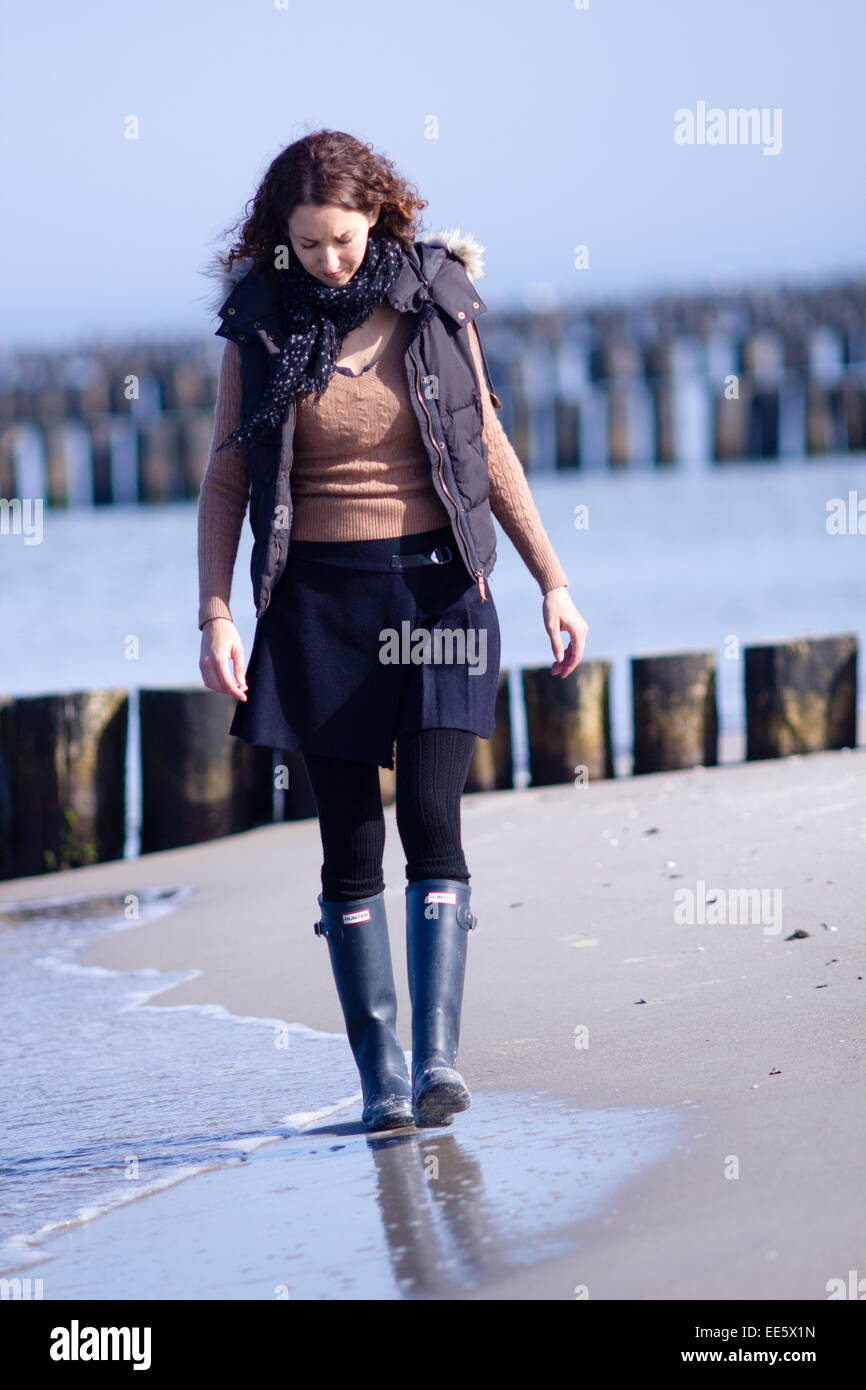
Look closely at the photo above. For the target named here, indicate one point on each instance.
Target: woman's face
(329, 241)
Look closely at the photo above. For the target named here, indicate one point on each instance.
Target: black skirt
(351, 652)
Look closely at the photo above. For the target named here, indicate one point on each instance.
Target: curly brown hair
(326, 166)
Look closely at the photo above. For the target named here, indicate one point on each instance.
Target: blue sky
(555, 130)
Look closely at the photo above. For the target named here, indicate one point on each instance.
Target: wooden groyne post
(63, 757)
(492, 765)
(62, 781)
(568, 723)
(801, 696)
(675, 716)
(197, 783)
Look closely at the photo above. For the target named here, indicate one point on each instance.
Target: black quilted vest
(443, 388)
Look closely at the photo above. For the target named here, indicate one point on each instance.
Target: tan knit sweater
(359, 472)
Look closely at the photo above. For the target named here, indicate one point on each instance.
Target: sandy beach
(665, 1106)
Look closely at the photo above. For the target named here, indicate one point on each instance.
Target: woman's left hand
(560, 615)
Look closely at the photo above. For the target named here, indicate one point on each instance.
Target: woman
(354, 392)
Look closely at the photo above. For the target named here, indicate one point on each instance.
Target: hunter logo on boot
(350, 918)
(433, 900)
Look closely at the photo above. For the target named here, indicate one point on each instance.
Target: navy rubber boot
(357, 937)
(438, 921)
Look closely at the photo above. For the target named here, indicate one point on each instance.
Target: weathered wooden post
(731, 421)
(86, 399)
(54, 444)
(762, 357)
(7, 461)
(617, 426)
(195, 436)
(101, 428)
(519, 403)
(7, 863)
(792, 395)
(64, 761)
(47, 401)
(567, 434)
(628, 400)
(197, 782)
(185, 385)
(764, 423)
(253, 783)
(854, 412)
(823, 418)
(663, 442)
(568, 723)
(725, 382)
(801, 696)
(675, 718)
(157, 461)
(7, 412)
(852, 329)
(571, 375)
(492, 768)
(793, 331)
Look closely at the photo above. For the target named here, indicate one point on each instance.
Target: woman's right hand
(222, 648)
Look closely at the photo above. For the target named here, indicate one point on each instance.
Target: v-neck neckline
(356, 376)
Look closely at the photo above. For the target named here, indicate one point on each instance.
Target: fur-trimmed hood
(463, 245)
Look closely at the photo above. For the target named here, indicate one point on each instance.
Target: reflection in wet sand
(304, 1208)
(335, 1213)
(509, 1189)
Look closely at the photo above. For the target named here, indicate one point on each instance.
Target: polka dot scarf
(319, 316)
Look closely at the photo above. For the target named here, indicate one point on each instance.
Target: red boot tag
(350, 918)
(432, 900)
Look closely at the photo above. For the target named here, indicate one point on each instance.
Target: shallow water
(108, 1099)
(105, 1098)
(337, 1214)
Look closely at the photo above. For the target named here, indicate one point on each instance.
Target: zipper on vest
(288, 475)
(479, 574)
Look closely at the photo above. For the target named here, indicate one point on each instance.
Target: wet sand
(336, 1214)
(662, 1110)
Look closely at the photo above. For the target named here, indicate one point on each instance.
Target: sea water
(109, 1098)
(106, 1097)
(661, 561)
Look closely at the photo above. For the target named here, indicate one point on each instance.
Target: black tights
(431, 767)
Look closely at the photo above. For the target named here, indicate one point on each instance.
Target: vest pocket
(463, 435)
